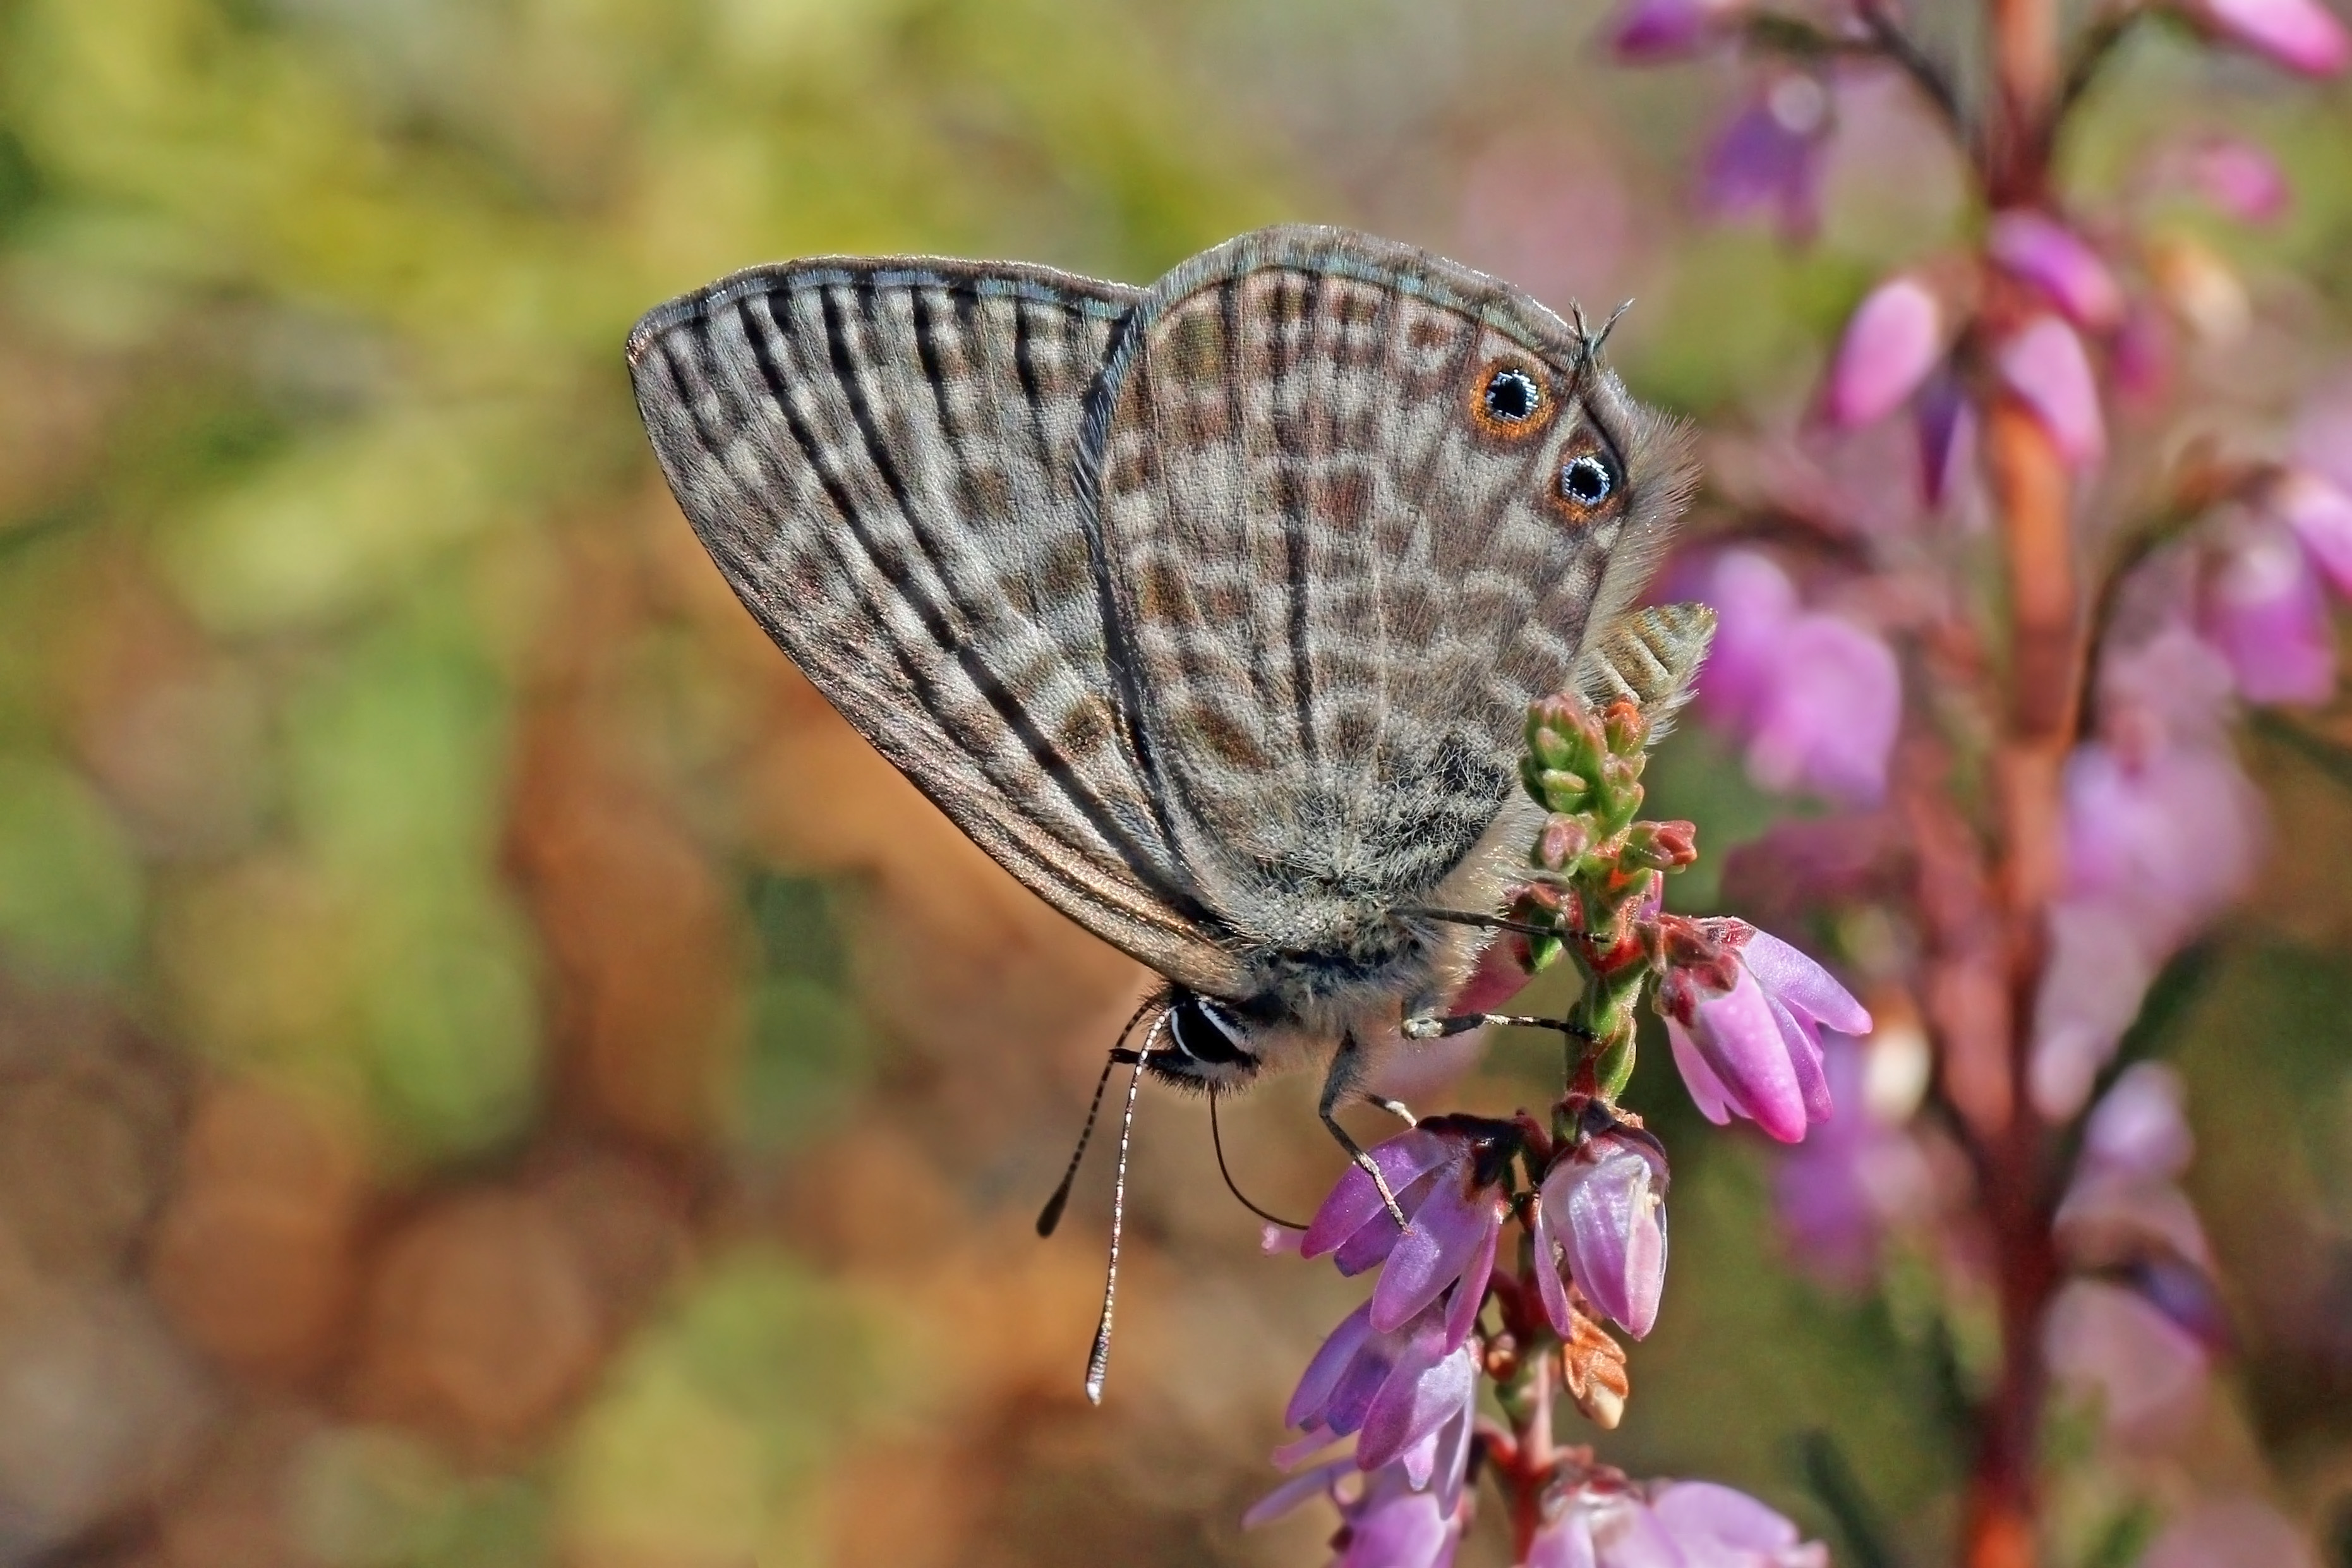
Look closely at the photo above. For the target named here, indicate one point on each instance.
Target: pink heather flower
(1753, 602)
(1678, 1524)
(1837, 1193)
(1604, 1205)
(1454, 1220)
(1893, 341)
(2059, 262)
(1644, 32)
(2138, 1131)
(2045, 367)
(1829, 722)
(1946, 424)
(2170, 837)
(2140, 358)
(1744, 1011)
(2267, 615)
(2231, 1533)
(2238, 177)
(2171, 689)
(1768, 157)
(2149, 1374)
(1385, 1522)
(2304, 35)
(1401, 1394)
(2319, 514)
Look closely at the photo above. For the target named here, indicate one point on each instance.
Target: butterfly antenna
(1217, 1138)
(1099, 1358)
(1051, 1214)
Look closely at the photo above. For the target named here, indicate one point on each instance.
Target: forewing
(881, 456)
(1341, 586)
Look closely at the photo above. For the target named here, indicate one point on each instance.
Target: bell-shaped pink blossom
(2053, 258)
(1829, 722)
(2304, 35)
(1837, 1193)
(2170, 836)
(1602, 1206)
(2045, 366)
(2319, 514)
(1385, 1520)
(1891, 342)
(1392, 1391)
(2265, 613)
(1744, 1011)
(1754, 602)
(1645, 32)
(2148, 1375)
(1606, 1523)
(1454, 1220)
(1769, 157)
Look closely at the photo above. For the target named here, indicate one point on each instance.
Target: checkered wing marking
(881, 456)
(1341, 592)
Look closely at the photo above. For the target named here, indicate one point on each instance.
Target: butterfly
(1211, 610)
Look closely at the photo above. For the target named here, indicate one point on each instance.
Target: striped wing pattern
(882, 458)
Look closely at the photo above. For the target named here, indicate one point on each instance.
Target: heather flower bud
(1601, 1208)
(1894, 340)
(1625, 731)
(1744, 1011)
(1659, 846)
(2045, 368)
(2056, 261)
(1562, 842)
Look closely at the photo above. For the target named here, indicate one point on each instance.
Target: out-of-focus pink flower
(2138, 1131)
(1392, 1392)
(2323, 433)
(1744, 1011)
(2157, 841)
(1645, 32)
(1768, 157)
(1385, 1520)
(2140, 356)
(1453, 1222)
(1830, 719)
(1946, 424)
(1753, 602)
(2319, 514)
(1603, 1205)
(2170, 689)
(2170, 837)
(2239, 178)
(1678, 1524)
(2045, 366)
(1837, 1193)
(2052, 257)
(2302, 35)
(1816, 699)
(2231, 1533)
(1893, 339)
(2149, 1374)
(2265, 613)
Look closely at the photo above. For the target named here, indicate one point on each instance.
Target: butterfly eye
(1587, 480)
(1512, 398)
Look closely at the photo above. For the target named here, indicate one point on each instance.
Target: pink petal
(1648, 31)
(2238, 177)
(2301, 35)
(1894, 340)
(2045, 367)
(1707, 1091)
(1444, 1234)
(1546, 1240)
(1827, 719)
(1354, 1201)
(1701, 1513)
(2058, 261)
(1426, 1387)
(2320, 515)
(2266, 614)
(1286, 1497)
(1321, 1378)
(1737, 1036)
(1805, 986)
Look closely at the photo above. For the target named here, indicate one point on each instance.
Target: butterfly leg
(1463, 1022)
(1337, 1085)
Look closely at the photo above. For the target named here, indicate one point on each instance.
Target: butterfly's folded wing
(881, 457)
(1341, 588)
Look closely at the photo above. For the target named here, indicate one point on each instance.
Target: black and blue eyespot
(1512, 396)
(1587, 480)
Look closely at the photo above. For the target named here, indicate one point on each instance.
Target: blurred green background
(492, 1072)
